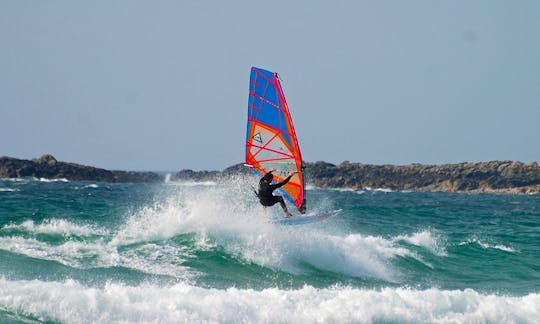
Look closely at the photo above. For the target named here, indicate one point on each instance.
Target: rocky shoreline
(48, 167)
(488, 177)
(492, 177)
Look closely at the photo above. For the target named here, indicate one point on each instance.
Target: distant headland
(48, 167)
(492, 176)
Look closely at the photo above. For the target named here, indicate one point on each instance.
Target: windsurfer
(266, 188)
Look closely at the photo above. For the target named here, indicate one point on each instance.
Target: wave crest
(185, 303)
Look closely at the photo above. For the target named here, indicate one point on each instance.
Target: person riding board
(266, 188)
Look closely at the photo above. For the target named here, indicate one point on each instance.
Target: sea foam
(56, 226)
(427, 239)
(8, 189)
(243, 228)
(485, 245)
(72, 302)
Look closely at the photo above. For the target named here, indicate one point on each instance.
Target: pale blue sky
(163, 85)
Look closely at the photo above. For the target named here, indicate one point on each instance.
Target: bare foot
(288, 215)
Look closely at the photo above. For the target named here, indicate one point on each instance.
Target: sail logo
(258, 138)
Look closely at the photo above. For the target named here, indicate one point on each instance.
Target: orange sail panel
(271, 140)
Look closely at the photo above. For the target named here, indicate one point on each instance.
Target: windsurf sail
(270, 139)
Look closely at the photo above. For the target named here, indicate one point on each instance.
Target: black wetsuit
(266, 188)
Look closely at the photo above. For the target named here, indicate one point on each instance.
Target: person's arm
(284, 182)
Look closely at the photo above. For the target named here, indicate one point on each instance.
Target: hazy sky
(163, 85)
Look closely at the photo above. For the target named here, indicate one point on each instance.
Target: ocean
(181, 252)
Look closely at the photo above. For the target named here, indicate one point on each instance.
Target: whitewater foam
(384, 190)
(348, 190)
(427, 239)
(94, 250)
(192, 183)
(485, 245)
(8, 189)
(23, 180)
(56, 226)
(53, 180)
(71, 253)
(72, 302)
(243, 228)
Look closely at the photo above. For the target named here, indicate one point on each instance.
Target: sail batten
(271, 140)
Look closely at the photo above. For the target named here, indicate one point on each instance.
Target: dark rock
(483, 176)
(188, 174)
(48, 167)
(493, 176)
(239, 168)
(46, 159)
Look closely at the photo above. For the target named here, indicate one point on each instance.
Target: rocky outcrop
(48, 167)
(187, 174)
(493, 176)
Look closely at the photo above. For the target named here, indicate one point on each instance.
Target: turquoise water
(75, 252)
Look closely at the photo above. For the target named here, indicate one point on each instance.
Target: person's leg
(283, 205)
